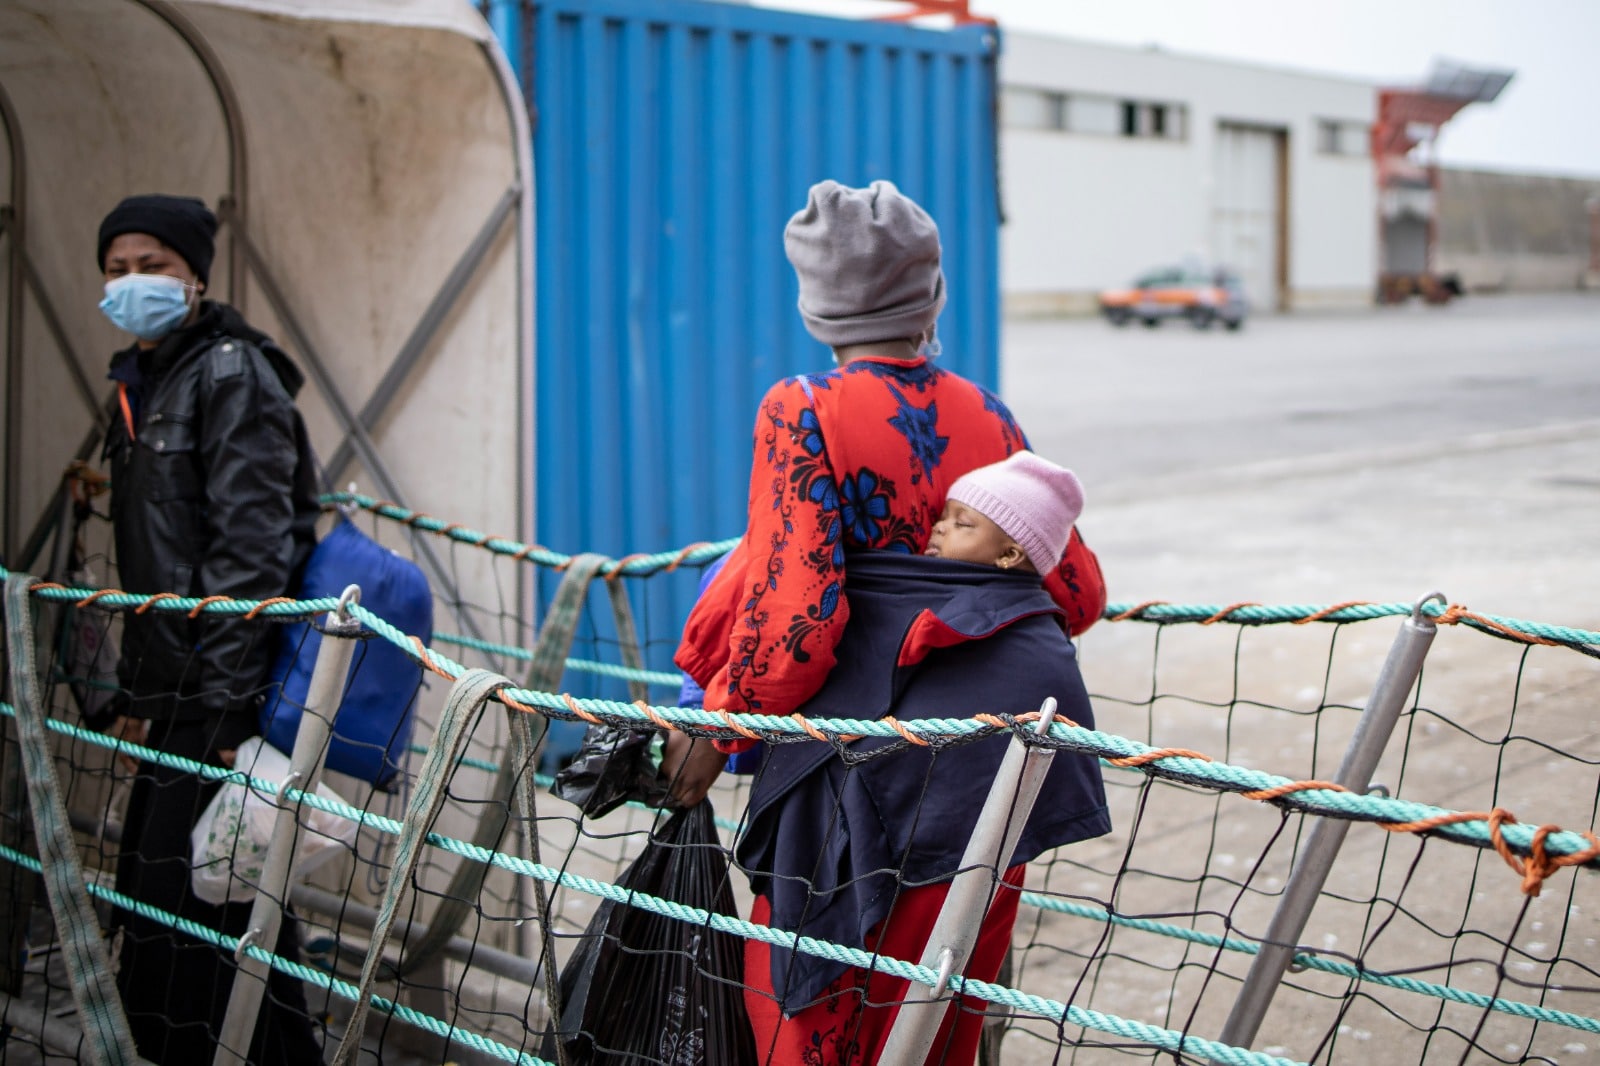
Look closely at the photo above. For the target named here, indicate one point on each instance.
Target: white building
(1115, 160)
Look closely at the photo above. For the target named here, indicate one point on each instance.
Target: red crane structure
(1403, 147)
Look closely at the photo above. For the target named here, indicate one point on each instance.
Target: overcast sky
(1547, 120)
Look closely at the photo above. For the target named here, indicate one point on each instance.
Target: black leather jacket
(213, 493)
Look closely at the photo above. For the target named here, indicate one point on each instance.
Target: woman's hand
(692, 765)
(132, 730)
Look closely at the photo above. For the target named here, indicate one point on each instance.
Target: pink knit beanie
(1034, 501)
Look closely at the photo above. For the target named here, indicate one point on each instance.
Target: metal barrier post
(955, 932)
(1310, 873)
(305, 771)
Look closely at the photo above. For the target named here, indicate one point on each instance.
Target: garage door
(1247, 220)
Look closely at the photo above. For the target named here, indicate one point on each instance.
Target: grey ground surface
(1311, 460)
(1371, 455)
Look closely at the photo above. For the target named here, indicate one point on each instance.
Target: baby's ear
(1013, 558)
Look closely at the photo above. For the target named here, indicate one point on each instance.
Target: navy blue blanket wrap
(831, 837)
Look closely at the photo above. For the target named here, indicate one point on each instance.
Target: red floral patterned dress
(858, 457)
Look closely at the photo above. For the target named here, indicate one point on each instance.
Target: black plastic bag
(645, 988)
(613, 766)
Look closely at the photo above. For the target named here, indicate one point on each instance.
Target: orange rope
(742, 730)
(1226, 611)
(515, 705)
(1289, 787)
(650, 713)
(616, 570)
(1326, 611)
(153, 600)
(1534, 870)
(894, 723)
(1438, 821)
(427, 659)
(1456, 613)
(811, 731)
(684, 554)
(572, 705)
(1539, 864)
(264, 604)
(203, 604)
(1162, 753)
(1135, 611)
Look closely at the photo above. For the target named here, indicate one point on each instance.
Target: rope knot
(1539, 864)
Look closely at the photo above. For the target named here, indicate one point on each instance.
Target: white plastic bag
(228, 845)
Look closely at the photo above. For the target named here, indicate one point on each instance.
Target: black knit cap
(182, 223)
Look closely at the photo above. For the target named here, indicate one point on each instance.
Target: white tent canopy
(370, 160)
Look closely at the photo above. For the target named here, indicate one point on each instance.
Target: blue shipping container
(673, 140)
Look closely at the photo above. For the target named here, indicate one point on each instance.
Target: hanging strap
(514, 784)
(106, 1038)
(449, 742)
(549, 662)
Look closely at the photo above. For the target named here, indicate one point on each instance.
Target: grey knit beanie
(868, 264)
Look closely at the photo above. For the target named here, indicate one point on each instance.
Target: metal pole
(349, 915)
(421, 337)
(994, 839)
(232, 120)
(58, 333)
(55, 1034)
(367, 450)
(305, 770)
(352, 915)
(41, 528)
(1310, 873)
(15, 213)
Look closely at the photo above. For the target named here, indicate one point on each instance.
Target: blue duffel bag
(378, 713)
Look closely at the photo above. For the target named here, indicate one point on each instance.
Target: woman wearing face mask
(213, 493)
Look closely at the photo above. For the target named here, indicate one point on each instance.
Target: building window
(1032, 109)
(1341, 137)
(1040, 109)
(1093, 114)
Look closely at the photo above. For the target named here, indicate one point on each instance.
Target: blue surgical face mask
(149, 306)
(931, 348)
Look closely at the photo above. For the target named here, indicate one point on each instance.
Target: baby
(1015, 514)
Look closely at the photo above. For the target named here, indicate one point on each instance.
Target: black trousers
(174, 987)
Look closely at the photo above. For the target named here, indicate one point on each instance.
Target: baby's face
(967, 536)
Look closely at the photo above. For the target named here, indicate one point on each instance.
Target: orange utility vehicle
(1202, 296)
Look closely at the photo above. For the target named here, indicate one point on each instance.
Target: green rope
(317, 977)
(585, 666)
(633, 566)
(1255, 614)
(1053, 1010)
(605, 890)
(1222, 777)
(640, 565)
(1317, 962)
(727, 825)
(1584, 640)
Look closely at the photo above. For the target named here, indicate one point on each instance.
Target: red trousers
(849, 1025)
